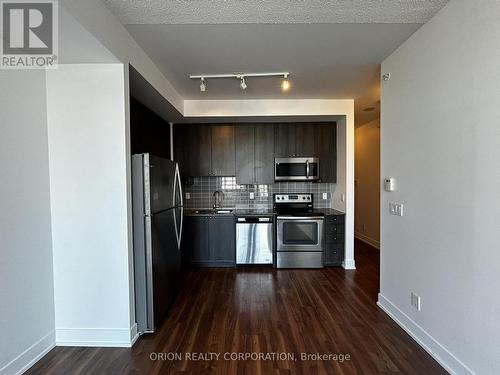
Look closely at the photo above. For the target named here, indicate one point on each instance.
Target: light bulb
(285, 84)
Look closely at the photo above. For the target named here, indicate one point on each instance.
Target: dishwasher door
(254, 241)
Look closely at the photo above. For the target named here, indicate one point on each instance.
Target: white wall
(367, 175)
(341, 110)
(441, 141)
(88, 178)
(97, 19)
(26, 291)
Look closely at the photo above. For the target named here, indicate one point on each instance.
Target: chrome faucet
(218, 198)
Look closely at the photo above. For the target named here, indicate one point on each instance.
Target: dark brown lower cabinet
(333, 254)
(209, 241)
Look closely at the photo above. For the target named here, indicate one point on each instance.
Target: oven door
(296, 169)
(299, 233)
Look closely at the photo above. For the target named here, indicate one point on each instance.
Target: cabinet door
(264, 154)
(222, 240)
(326, 148)
(244, 137)
(284, 140)
(305, 140)
(223, 150)
(333, 254)
(192, 149)
(180, 146)
(195, 239)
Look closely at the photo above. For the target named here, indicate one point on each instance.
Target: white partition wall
(88, 187)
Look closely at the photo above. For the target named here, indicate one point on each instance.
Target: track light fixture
(285, 84)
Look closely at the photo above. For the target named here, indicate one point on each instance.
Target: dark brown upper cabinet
(326, 149)
(284, 140)
(244, 137)
(305, 140)
(294, 140)
(247, 151)
(223, 150)
(254, 154)
(264, 154)
(192, 149)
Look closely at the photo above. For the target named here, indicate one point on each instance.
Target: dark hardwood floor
(229, 310)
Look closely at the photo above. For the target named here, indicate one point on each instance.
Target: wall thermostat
(389, 184)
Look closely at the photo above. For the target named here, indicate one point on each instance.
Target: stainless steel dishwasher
(254, 240)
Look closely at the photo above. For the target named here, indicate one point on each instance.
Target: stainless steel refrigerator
(157, 221)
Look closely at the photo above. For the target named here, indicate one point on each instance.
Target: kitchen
(247, 193)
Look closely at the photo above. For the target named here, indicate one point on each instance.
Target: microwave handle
(307, 168)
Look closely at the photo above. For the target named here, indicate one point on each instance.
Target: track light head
(243, 84)
(203, 85)
(285, 84)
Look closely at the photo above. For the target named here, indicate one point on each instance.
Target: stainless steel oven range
(299, 232)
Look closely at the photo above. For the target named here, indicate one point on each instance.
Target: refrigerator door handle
(177, 185)
(180, 229)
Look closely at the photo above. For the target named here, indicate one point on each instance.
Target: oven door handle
(300, 217)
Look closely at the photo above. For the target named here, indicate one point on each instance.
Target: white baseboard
(349, 264)
(370, 241)
(446, 359)
(98, 337)
(134, 335)
(30, 356)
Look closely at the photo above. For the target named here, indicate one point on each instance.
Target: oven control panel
(293, 198)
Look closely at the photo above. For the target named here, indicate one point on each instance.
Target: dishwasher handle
(254, 219)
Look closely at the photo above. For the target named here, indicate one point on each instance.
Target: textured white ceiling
(273, 11)
(334, 61)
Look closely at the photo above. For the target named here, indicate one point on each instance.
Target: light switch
(252, 196)
(188, 195)
(396, 208)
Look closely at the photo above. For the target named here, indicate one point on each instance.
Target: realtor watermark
(29, 34)
(249, 356)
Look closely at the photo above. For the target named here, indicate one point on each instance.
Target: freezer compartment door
(159, 178)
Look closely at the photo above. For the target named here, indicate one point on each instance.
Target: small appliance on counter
(299, 237)
(254, 240)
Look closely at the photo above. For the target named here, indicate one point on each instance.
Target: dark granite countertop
(329, 211)
(207, 212)
(253, 212)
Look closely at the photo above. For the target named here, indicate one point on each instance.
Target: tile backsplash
(200, 190)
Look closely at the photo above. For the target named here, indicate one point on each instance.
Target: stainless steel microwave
(296, 169)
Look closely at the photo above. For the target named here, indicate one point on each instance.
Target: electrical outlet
(188, 196)
(415, 301)
(325, 196)
(252, 196)
(396, 208)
